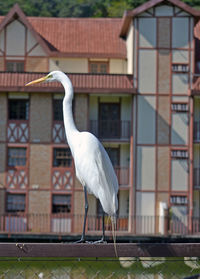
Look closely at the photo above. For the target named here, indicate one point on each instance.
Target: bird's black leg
(85, 217)
(103, 230)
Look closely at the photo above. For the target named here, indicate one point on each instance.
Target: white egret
(93, 166)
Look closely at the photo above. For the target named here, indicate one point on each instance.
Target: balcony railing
(68, 224)
(196, 133)
(111, 129)
(18, 131)
(17, 178)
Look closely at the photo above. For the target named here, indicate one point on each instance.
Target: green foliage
(77, 8)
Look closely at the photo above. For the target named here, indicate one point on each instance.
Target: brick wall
(40, 117)
(39, 210)
(40, 166)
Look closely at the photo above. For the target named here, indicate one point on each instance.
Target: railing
(17, 178)
(58, 132)
(18, 131)
(111, 129)
(62, 178)
(68, 224)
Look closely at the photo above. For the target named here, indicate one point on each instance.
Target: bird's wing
(107, 182)
(95, 171)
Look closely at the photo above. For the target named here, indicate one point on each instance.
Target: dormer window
(98, 67)
(15, 66)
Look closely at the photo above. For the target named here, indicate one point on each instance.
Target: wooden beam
(99, 250)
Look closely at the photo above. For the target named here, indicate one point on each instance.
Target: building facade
(136, 88)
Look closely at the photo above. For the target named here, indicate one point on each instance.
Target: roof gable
(128, 15)
(17, 14)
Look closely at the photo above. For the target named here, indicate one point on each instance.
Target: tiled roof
(75, 37)
(82, 36)
(82, 83)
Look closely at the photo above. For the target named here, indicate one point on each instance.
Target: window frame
(99, 64)
(10, 165)
(67, 165)
(59, 206)
(15, 63)
(16, 210)
(20, 114)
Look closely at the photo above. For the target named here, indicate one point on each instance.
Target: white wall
(129, 47)
(180, 83)
(146, 168)
(69, 65)
(147, 71)
(180, 39)
(179, 175)
(179, 128)
(147, 32)
(146, 119)
(15, 45)
(118, 66)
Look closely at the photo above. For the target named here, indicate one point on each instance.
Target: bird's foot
(82, 240)
(102, 240)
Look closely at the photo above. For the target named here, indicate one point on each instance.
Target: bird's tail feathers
(114, 229)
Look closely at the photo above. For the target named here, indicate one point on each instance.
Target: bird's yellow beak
(37, 81)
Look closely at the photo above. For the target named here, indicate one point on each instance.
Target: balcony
(111, 129)
(62, 178)
(18, 131)
(58, 132)
(17, 178)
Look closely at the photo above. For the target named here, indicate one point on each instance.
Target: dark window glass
(61, 203)
(109, 120)
(57, 110)
(15, 203)
(62, 157)
(16, 156)
(15, 66)
(113, 153)
(18, 109)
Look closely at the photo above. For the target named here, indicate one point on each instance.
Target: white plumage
(93, 166)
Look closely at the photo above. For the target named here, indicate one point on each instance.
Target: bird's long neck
(70, 127)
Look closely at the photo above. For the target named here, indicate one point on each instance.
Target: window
(179, 154)
(57, 110)
(18, 109)
(61, 203)
(109, 125)
(98, 67)
(178, 200)
(180, 68)
(15, 203)
(178, 107)
(113, 153)
(16, 156)
(15, 66)
(62, 157)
